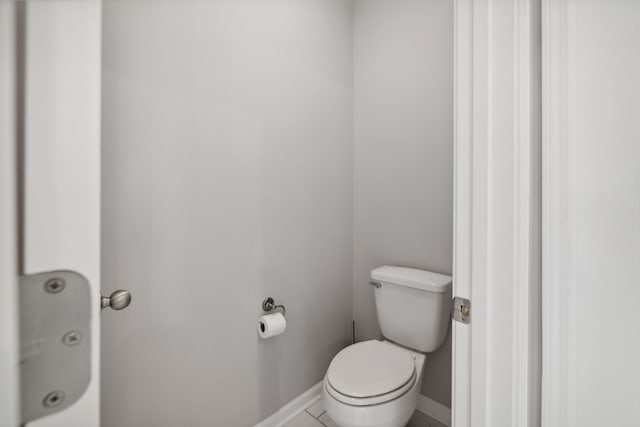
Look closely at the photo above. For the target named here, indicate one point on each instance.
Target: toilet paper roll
(271, 325)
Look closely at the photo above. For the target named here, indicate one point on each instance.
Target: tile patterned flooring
(315, 416)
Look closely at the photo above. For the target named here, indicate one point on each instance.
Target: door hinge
(461, 310)
(55, 341)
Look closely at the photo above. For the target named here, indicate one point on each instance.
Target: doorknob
(117, 301)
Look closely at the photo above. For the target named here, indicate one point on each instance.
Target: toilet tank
(413, 306)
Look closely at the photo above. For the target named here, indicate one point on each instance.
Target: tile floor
(315, 416)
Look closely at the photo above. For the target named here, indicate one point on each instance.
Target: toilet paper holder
(269, 305)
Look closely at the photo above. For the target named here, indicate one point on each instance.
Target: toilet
(376, 383)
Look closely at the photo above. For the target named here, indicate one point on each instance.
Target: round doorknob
(117, 300)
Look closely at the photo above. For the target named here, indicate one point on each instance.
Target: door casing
(9, 347)
(497, 249)
(61, 188)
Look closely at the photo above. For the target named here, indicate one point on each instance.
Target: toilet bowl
(376, 383)
(373, 384)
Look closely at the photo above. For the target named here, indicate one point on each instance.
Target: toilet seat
(370, 373)
(369, 401)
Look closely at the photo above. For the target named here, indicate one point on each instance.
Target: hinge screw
(72, 338)
(53, 399)
(54, 286)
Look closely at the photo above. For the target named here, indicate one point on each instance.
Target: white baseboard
(293, 408)
(434, 409)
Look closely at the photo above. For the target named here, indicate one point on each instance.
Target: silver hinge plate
(55, 341)
(461, 310)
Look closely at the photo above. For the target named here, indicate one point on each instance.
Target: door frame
(9, 345)
(558, 278)
(60, 162)
(497, 249)
(496, 174)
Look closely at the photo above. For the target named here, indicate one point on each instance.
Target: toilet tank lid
(413, 278)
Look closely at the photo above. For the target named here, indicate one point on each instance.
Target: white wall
(592, 213)
(227, 162)
(403, 153)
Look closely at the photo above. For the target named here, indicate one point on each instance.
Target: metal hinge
(461, 310)
(55, 341)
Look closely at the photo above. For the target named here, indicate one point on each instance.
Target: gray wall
(255, 148)
(403, 153)
(227, 158)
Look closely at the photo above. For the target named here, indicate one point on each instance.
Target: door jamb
(559, 284)
(497, 249)
(9, 345)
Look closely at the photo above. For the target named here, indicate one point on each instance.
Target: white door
(58, 132)
(592, 213)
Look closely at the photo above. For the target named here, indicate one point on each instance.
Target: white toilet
(376, 383)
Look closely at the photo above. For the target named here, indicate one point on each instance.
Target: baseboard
(434, 409)
(293, 408)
